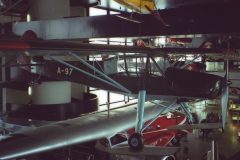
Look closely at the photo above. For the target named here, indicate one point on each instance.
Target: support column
(3, 94)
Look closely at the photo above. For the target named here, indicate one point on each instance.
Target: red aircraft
(157, 134)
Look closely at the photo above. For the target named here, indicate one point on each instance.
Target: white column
(52, 93)
(4, 98)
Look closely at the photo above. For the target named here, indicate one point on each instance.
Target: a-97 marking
(64, 71)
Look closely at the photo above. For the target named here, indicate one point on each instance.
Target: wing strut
(90, 75)
(158, 68)
(187, 63)
(175, 62)
(118, 85)
(187, 111)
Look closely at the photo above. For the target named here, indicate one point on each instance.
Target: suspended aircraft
(172, 85)
(142, 7)
(155, 136)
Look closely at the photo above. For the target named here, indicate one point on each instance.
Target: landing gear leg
(135, 141)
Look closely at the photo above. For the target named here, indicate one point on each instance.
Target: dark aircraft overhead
(45, 47)
(187, 20)
(173, 84)
(177, 82)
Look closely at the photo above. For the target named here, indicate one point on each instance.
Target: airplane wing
(61, 47)
(78, 130)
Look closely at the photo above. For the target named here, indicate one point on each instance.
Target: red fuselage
(157, 133)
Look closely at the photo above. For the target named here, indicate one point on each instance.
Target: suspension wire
(11, 7)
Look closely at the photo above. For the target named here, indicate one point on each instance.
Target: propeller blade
(225, 95)
(224, 104)
(224, 98)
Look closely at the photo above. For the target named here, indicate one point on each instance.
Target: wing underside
(73, 131)
(61, 47)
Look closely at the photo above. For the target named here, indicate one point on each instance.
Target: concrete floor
(227, 142)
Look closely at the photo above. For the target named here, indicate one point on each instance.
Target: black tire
(136, 142)
(168, 158)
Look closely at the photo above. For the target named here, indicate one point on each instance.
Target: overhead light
(29, 90)
(28, 17)
(2, 4)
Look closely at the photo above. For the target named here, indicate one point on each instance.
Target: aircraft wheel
(168, 158)
(136, 142)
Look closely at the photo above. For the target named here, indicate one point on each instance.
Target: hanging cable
(11, 7)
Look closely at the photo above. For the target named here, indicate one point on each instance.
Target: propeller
(224, 97)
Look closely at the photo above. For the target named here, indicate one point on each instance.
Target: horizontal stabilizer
(146, 151)
(197, 126)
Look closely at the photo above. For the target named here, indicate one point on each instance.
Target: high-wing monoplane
(174, 85)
